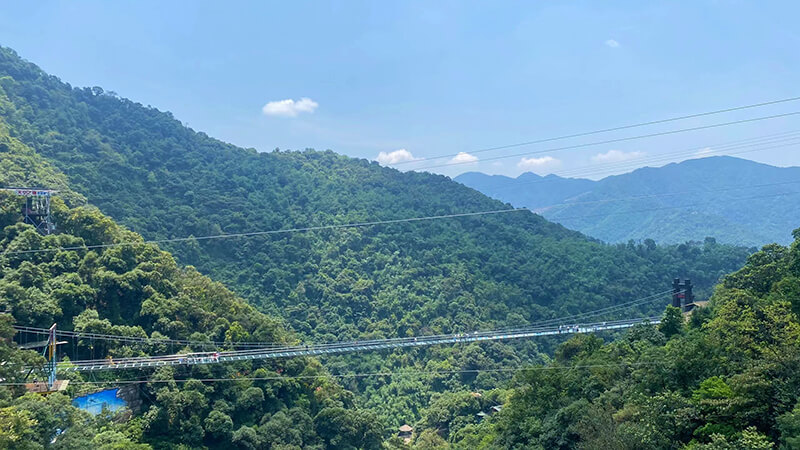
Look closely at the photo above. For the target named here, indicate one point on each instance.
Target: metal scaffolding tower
(50, 353)
(36, 210)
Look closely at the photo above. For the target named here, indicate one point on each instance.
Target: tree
(219, 426)
(671, 322)
(789, 427)
(16, 428)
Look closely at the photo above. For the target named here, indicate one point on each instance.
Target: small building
(477, 395)
(497, 408)
(482, 415)
(405, 433)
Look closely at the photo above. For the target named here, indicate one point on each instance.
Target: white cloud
(612, 43)
(704, 152)
(395, 157)
(616, 156)
(289, 107)
(534, 164)
(464, 157)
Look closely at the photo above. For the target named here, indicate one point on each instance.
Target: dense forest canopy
(728, 377)
(121, 166)
(149, 172)
(138, 290)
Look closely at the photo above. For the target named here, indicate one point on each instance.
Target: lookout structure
(36, 210)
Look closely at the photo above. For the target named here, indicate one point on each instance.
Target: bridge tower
(36, 211)
(682, 295)
(51, 384)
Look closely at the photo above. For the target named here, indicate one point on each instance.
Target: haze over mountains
(734, 200)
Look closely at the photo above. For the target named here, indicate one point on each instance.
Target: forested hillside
(148, 172)
(727, 378)
(734, 200)
(139, 291)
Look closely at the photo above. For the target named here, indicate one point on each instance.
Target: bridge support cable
(347, 347)
(588, 315)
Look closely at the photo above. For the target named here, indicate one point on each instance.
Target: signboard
(31, 192)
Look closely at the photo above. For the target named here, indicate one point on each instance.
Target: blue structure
(94, 403)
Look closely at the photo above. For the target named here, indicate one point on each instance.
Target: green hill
(734, 200)
(728, 378)
(144, 169)
(139, 291)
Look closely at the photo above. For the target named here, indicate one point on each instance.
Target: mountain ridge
(144, 169)
(712, 188)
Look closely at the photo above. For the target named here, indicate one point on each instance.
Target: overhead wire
(372, 223)
(617, 140)
(610, 168)
(268, 232)
(607, 130)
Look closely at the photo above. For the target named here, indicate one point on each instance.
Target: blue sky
(422, 79)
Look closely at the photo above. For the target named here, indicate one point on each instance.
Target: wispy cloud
(704, 152)
(616, 156)
(464, 157)
(289, 107)
(401, 155)
(612, 43)
(538, 164)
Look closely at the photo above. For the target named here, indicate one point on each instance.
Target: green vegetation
(139, 290)
(727, 378)
(151, 174)
(735, 200)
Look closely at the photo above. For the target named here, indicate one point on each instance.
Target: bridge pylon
(51, 383)
(682, 295)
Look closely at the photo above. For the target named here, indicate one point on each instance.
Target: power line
(583, 171)
(607, 130)
(612, 141)
(372, 223)
(261, 233)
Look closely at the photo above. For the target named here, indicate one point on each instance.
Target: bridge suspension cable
(262, 345)
(345, 347)
(145, 380)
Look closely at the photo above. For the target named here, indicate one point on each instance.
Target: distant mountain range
(731, 199)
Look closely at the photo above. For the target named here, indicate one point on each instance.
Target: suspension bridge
(340, 347)
(251, 351)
